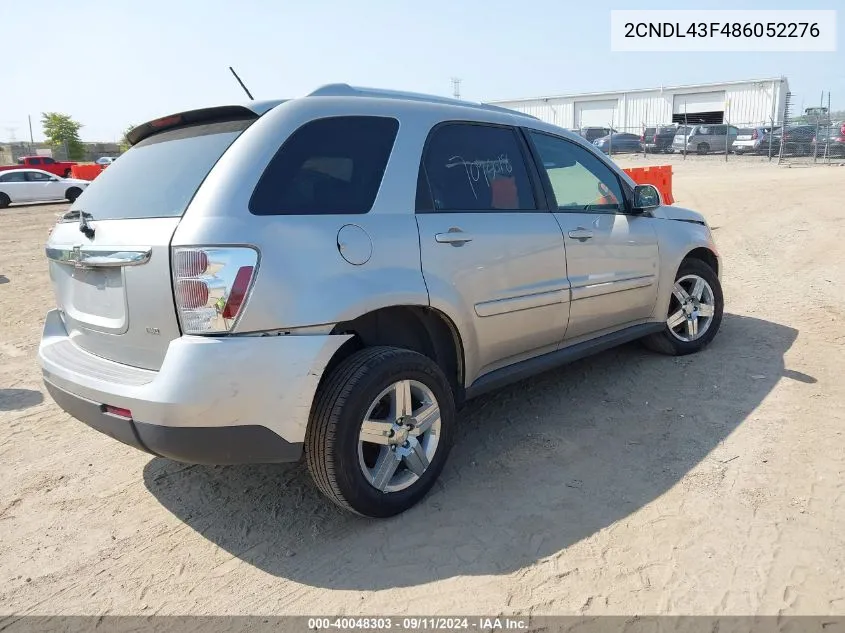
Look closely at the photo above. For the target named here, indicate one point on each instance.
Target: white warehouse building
(741, 103)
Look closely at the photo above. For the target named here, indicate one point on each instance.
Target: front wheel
(703, 148)
(380, 431)
(695, 311)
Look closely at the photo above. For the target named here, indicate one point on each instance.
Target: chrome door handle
(455, 237)
(581, 234)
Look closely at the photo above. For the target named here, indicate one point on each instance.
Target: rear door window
(13, 176)
(34, 161)
(328, 166)
(49, 161)
(477, 167)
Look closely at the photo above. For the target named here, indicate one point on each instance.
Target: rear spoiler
(217, 114)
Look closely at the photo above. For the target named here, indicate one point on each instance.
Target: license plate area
(91, 298)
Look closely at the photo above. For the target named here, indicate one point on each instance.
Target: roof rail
(345, 90)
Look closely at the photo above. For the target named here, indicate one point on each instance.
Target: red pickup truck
(59, 168)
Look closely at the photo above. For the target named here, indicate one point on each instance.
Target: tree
(124, 142)
(62, 131)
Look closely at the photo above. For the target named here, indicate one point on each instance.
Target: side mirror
(646, 197)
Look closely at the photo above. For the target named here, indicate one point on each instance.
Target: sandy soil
(626, 483)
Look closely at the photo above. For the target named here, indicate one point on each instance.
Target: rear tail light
(841, 139)
(211, 286)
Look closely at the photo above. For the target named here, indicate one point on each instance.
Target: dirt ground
(625, 483)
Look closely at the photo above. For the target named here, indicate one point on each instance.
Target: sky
(122, 62)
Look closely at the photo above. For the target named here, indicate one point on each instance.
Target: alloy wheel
(399, 436)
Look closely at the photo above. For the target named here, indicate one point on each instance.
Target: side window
(473, 167)
(719, 130)
(37, 176)
(13, 176)
(332, 165)
(579, 180)
(704, 130)
(49, 161)
(34, 161)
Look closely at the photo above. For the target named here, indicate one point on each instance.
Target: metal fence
(816, 136)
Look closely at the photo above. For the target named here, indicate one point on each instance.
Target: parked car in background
(705, 138)
(280, 297)
(619, 142)
(106, 160)
(593, 133)
(35, 185)
(658, 139)
(830, 141)
(797, 139)
(753, 140)
(45, 163)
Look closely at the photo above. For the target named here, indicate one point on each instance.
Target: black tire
(665, 342)
(702, 148)
(68, 172)
(342, 401)
(72, 194)
(4, 201)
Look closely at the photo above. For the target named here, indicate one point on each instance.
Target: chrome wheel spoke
(698, 288)
(394, 432)
(416, 461)
(692, 327)
(401, 399)
(376, 432)
(706, 310)
(676, 319)
(426, 417)
(680, 294)
(385, 467)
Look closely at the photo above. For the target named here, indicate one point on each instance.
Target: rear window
(328, 166)
(13, 176)
(159, 176)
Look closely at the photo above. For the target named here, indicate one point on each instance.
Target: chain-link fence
(817, 136)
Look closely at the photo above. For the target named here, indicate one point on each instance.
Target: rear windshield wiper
(83, 216)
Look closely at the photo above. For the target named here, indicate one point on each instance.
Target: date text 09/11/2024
(724, 29)
(419, 623)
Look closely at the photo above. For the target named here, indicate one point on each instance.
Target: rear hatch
(111, 273)
(681, 136)
(745, 134)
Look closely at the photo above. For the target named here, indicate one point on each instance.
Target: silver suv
(334, 275)
(705, 138)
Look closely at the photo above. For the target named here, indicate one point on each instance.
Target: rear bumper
(195, 445)
(238, 399)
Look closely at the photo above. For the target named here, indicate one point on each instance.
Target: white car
(106, 160)
(35, 185)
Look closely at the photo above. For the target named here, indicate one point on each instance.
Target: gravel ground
(625, 483)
